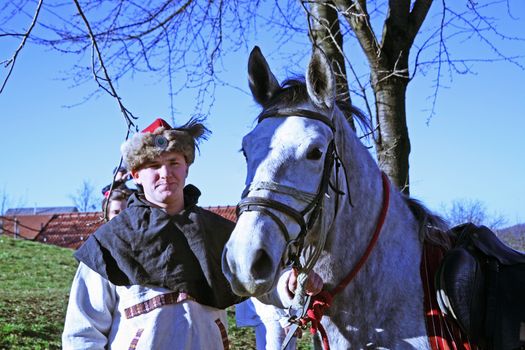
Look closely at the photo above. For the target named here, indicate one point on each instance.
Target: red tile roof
(227, 212)
(70, 230)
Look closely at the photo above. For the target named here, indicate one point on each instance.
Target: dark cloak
(143, 245)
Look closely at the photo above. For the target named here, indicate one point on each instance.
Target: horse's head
(290, 156)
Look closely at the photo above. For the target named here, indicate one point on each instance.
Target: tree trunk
(393, 143)
(325, 32)
(388, 61)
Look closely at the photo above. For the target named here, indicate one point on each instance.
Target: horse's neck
(389, 280)
(358, 217)
(384, 302)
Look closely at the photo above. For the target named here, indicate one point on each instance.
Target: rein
(323, 300)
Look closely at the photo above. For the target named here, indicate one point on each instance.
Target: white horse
(315, 193)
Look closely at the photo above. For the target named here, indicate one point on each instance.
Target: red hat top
(157, 123)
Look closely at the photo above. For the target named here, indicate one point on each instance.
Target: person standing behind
(116, 194)
(121, 175)
(115, 202)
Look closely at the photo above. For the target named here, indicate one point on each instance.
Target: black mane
(293, 91)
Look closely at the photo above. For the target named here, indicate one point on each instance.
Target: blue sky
(471, 149)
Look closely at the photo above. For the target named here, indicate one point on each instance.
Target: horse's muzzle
(253, 275)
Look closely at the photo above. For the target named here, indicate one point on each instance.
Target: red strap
(324, 337)
(323, 300)
(373, 241)
(319, 304)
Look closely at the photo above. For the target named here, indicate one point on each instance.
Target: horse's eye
(314, 154)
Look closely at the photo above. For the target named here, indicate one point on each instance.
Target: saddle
(481, 284)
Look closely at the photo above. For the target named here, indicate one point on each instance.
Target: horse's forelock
(293, 91)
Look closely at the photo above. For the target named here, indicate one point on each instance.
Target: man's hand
(314, 282)
(298, 332)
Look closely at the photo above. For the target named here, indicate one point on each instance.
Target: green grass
(35, 279)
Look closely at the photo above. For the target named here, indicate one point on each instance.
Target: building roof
(24, 226)
(40, 211)
(228, 211)
(71, 229)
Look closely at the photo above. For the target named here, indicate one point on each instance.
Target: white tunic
(96, 318)
(269, 323)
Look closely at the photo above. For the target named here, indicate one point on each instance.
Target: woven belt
(156, 302)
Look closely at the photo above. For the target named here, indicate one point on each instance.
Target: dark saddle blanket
(481, 284)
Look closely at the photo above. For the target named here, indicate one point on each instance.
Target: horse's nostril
(226, 264)
(262, 265)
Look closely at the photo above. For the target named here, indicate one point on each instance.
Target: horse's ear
(263, 83)
(320, 80)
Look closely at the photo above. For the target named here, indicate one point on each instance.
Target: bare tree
(7, 201)
(84, 198)
(325, 32)
(393, 63)
(4, 201)
(514, 236)
(467, 210)
(185, 41)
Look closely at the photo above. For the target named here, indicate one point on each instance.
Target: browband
(290, 112)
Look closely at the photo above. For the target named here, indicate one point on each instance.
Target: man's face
(163, 179)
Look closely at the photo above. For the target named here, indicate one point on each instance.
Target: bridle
(314, 200)
(311, 308)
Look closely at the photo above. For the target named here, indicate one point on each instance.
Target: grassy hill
(36, 279)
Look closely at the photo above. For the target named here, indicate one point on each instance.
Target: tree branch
(11, 62)
(128, 116)
(417, 17)
(358, 19)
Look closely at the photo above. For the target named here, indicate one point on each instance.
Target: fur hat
(160, 137)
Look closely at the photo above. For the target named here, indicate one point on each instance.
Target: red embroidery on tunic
(135, 340)
(156, 302)
(224, 334)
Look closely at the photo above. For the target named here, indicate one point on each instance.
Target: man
(116, 194)
(151, 277)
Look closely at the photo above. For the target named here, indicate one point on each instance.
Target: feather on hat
(159, 137)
